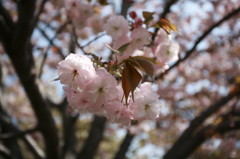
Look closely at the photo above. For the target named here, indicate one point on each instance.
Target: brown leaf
(130, 80)
(166, 25)
(143, 63)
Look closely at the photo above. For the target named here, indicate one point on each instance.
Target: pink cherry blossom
(102, 88)
(118, 113)
(76, 70)
(86, 10)
(121, 41)
(72, 8)
(161, 37)
(76, 99)
(116, 26)
(140, 37)
(95, 22)
(146, 104)
(167, 52)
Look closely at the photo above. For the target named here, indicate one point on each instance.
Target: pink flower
(72, 8)
(76, 99)
(146, 104)
(140, 37)
(76, 70)
(116, 26)
(102, 89)
(118, 113)
(95, 22)
(86, 10)
(121, 41)
(167, 52)
(161, 37)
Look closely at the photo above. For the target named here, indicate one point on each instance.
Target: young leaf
(56, 79)
(148, 16)
(123, 47)
(143, 64)
(165, 25)
(130, 80)
(149, 59)
(103, 2)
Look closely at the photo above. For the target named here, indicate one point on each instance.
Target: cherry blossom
(146, 104)
(118, 113)
(167, 52)
(76, 99)
(160, 38)
(116, 26)
(102, 88)
(140, 37)
(96, 23)
(76, 70)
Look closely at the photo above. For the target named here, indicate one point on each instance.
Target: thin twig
(17, 134)
(36, 18)
(51, 43)
(94, 39)
(34, 149)
(88, 43)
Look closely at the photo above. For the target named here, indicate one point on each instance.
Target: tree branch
(5, 122)
(51, 43)
(177, 149)
(69, 135)
(124, 146)
(195, 140)
(125, 6)
(17, 134)
(7, 18)
(20, 53)
(36, 18)
(94, 138)
(92, 40)
(204, 35)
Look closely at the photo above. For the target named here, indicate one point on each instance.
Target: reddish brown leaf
(143, 63)
(166, 25)
(130, 80)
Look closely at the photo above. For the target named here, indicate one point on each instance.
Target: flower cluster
(96, 87)
(164, 49)
(95, 90)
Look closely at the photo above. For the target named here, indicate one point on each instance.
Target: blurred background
(200, 116)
